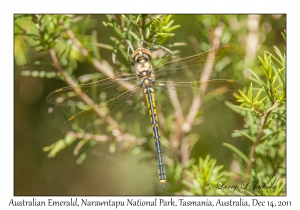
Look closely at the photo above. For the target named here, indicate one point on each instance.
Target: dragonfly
(178, 86)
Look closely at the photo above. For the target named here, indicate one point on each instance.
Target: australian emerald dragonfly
(179, 86)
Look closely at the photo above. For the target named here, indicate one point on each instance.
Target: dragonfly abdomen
(150, 99)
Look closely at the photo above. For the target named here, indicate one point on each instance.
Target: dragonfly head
(141, 54)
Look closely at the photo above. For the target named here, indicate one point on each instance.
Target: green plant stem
(252, 153)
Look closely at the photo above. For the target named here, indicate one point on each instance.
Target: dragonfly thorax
(143, 67)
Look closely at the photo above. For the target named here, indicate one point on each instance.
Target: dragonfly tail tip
(163, 185)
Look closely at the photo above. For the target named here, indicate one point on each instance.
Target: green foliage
(138, 29)
(55, 46)
(263, 107)
(202, 179)
(274, 187)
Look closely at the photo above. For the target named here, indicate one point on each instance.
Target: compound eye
(136, 58)
(146, 56)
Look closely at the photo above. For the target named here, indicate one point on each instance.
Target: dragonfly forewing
(100, 91)
(204, 64)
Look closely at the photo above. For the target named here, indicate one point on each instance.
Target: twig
(102, 66)
(253, 148)
(100, 138)
(252, 42)
(259, 133)
(175, 142)
(206, 74)
(196, 104)
(71, 35)
(83, 96)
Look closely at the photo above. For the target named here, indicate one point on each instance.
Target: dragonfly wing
(118, 112)
(100, 91)
(203, 64)
(191, 96)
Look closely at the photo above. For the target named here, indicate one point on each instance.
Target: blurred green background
(120, 172)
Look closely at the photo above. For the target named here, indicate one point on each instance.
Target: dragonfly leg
(128, 52)
(151, 48)
(151, 45)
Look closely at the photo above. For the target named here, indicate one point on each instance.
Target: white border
(8, 8)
